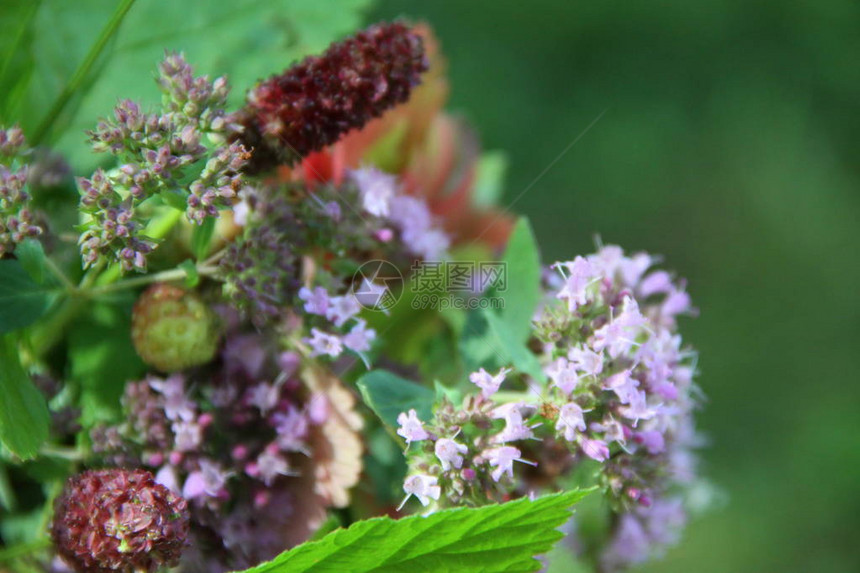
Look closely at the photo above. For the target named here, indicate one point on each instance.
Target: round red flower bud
(117, 520)
(172, 329)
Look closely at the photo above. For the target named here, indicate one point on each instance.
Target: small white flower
(450, 453)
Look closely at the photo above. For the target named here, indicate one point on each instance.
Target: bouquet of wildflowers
(290, 329)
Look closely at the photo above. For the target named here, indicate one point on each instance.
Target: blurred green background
(728, 146)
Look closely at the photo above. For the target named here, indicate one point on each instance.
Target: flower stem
(164, 276)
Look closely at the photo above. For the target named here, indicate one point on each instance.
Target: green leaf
(32, 257)
(388, 395)
(201, 237)
(22, 300)
(493, 538)
(520, 356)
(521, 294)
(60, 37)
(24, 415)
(192, 277)
(103, 359)
(490, 179)
(175, 199)
(245, 39)
(487, 342)
(16, 59)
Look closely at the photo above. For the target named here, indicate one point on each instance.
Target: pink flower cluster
(236, 443)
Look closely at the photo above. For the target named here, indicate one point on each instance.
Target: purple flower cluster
(615, 358)
(248, 448)
(287, 225)
(466, 452)
(341, 313)
(155, 152)
(618, 394)
(382, 197)
(17, 220)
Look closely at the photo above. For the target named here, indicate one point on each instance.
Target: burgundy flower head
(116, 520)
(316, 101)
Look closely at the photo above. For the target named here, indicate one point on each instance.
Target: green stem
(69, 454)
(164, 276)
(82, 72)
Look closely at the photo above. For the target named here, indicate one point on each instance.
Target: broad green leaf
(16, 59)
(245, 39)
(103, 359)
(489, 539)
(512, 347)
(22, 300)
(388, 395)
(24, 415)
(522, 291)
(8, 500)
(63, 34)
(487, 342)
(31, 255)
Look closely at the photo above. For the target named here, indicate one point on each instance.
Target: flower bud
(316, 101)
(119, 521)
(173, 329)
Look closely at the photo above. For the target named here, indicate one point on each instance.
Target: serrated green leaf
(489, 539)
(522, 291)
(24, 414)
(22, 300)
(388, 395)
(102, 360)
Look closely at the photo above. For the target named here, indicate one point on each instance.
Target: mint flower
(488, 383)
(423, 487)
(324, 343)
(377, 188)
(411, 428)
(619, 393)
(502, 459)
(450, 453)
